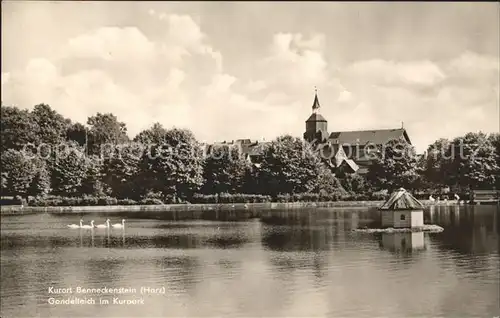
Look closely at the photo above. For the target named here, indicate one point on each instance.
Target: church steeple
(316, 106)
(316, 125)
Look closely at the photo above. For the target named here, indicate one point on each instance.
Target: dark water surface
(301, 263)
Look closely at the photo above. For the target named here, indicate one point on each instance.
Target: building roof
(350, 163)
(247, 146)
(316, 117)
(401, 200)
(257, 149)
(316, 104)
(363, 137)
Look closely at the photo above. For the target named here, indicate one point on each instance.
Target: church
(347, 151)
(350, 151)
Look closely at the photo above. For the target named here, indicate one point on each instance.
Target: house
(402, 210)
(344, 151)
(251, 150)
(358, 146)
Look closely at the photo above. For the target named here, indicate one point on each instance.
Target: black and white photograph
(250, 159)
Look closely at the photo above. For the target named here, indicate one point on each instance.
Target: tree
(40, 185)
(289, 165)
(327, 182)
(105, 131)
(17, 128)
(436, 162)
(173, 167)
(92, 184)
(77, 133)
(395, 166)
(18, 172)
(224, 169)
(474, 162)
(354, 183)
(154, 135)
(68, 170)
(495, 142)
(50, 125)
(121, 171)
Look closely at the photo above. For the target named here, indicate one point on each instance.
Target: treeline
(462, 164)
(49, 160)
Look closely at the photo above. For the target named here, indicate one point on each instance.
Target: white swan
(103, 226)
(75, 226)
(119, 225)
(91, 226)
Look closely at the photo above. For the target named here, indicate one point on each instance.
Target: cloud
(120, 70)
(255, 86)
(176, 79)
(433, 99)
(344, 96)
(5, 78)
(295, 62)
(381, 72)
(115, 44)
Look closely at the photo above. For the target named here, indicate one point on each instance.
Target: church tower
(316, 125)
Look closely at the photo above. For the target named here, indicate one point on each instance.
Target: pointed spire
(315, 105)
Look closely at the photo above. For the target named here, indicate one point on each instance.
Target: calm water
(286, 264)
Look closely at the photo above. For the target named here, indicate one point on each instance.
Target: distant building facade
(348, 151)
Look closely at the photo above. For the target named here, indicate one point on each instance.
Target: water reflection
(402, 243)
(468, 229)
(129, 238)
(181, 273)
(215, 214)
(291, 231)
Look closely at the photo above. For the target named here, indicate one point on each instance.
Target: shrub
(379, 196)
(126, 202)
(151, 201)
(107, 201)
(231, 198)
(73, 201)
(11, 201)
(89, 200)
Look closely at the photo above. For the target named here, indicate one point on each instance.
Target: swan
(75, 226)
(91, 226)
(119, 225)
(103, 226)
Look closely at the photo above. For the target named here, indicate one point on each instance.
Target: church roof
(363, 137)
(316, 104)
(401, 200)
(316, 117)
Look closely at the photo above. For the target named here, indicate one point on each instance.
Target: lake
(296, 263)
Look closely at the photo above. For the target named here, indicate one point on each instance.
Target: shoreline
(19, 210)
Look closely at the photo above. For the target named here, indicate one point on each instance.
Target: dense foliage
(59, 162)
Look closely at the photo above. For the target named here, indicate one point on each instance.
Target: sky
(231, 70)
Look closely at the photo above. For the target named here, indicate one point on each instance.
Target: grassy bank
(16, 210)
